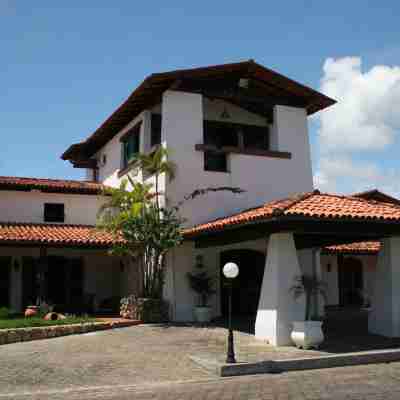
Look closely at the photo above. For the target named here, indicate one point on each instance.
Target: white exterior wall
(262, 178)
(18, 206)
(330, 278)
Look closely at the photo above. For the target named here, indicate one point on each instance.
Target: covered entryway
(247, 286)
(294, 230)
(66, 266)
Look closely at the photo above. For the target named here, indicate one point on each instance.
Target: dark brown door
(350, 281)
(5, 272)
(29, 281)
(247, 286)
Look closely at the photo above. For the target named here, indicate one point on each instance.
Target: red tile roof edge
(287, 208)
(51, 185)
(19, 233)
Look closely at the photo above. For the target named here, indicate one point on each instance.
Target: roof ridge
(16, 223)
(49, 179)
(300, 197)
(356, 198)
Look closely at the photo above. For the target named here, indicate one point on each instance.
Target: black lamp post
(230, 271)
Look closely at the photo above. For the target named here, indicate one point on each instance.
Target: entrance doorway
(63, 282)
(5, 272)
(247, 286)
(350, 274)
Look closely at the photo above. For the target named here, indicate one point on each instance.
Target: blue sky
(66, 66)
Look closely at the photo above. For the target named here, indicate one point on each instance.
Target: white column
(384, 318)
(277, 308)
(320, 300)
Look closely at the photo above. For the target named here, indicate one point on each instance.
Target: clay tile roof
(311, 206)
(55, 235)
(372, 247)
(50, 185)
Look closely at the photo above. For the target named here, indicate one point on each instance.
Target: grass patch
(21, 322)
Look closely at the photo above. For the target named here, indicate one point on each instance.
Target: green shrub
(4, 313)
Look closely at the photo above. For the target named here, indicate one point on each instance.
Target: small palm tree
(156, 164)
(308, 286)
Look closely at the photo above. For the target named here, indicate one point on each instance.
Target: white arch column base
(384, 318)
(277, 309)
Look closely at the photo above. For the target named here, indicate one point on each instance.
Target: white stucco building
(233, 125)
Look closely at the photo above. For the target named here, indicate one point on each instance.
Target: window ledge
(134, 164)
(127, 169)
(250, 152)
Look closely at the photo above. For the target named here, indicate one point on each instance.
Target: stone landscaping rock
(13, 336)
(3, 337)
(37, 333)
(143, 309)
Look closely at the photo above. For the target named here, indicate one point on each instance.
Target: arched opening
(247, 286)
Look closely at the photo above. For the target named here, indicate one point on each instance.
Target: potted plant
(203, 284)
(308, 333)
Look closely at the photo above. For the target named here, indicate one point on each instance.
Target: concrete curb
(299, 364)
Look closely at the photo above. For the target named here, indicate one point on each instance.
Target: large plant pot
(307, 334)
(202, 314)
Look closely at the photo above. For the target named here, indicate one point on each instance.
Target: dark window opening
(255, 137)
(54, 212)
(215, 161)
(155, 129)
(130, 145)
(237, 136)
(220, 134)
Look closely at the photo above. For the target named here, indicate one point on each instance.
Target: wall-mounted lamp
(225, 114)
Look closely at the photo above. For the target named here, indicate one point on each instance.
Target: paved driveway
(148, 362)
(140, 354)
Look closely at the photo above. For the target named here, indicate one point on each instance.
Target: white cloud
(367, 115)
(366, 119)
(343, 175)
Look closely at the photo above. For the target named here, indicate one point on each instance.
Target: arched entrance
(247, 286)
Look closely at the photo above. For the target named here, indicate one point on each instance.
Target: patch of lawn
(21, 322)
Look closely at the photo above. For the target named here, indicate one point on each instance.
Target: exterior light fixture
(225, 114)
(230, 271)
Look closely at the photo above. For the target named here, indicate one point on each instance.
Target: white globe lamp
(230, 270)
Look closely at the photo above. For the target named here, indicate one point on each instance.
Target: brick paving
(152, 362)
(373, 382)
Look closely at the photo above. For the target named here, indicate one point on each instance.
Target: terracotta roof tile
(372, 247)
(57, 235)
(312, 205)
(50, 185)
